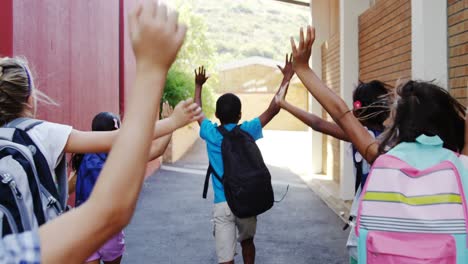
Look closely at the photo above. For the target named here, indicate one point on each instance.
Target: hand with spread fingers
(154, 25)
(301, 54)
(167, 110)
(200, 76)
(200, 79)
(185, 113)
(288, 71)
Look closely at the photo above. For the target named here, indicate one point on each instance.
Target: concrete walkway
(172, 222)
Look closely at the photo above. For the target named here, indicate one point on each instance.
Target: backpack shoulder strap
(24, 123)
(358, 164)
(209, 171)
(359, 173)
(222, 130)
(62, 180)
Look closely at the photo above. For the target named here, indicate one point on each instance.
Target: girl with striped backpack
(413, 207)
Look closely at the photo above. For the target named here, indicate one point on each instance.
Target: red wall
(80, 54)
(6, 28)
(73, 48)
(128, 66)
(128, 58)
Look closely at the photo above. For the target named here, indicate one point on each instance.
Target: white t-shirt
(51, 139)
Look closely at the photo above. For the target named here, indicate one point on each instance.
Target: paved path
(172, 221)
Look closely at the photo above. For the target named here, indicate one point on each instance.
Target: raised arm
(273, 109)
(200, 79)
(102, 141)
(313, 121)
(159, 146)
(156, 37)
(333, 104)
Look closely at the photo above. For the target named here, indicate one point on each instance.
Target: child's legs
(247, 228)
(224, 233)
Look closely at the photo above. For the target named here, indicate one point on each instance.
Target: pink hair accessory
(357, 105)
(116, 123)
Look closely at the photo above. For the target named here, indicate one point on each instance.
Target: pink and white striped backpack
(411, 216)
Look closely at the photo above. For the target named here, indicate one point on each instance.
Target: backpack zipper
(10, 219)
(7, 179)
(51, 201)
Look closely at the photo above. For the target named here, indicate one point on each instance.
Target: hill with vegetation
(238, 29)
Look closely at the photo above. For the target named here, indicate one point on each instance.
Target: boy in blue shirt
(228, 111)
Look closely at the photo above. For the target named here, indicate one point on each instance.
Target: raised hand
(167, 110)
(200, 76)
(185, 113)
(156, 35)
(301, 54)
(288, 71)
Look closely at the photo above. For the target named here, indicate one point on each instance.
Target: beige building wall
(181, 142)
(253, 104)
(255, 81)
(249, 78)
(331, 76)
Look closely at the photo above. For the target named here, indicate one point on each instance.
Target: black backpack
(246, 179)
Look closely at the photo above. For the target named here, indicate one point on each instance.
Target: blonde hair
(16, 87)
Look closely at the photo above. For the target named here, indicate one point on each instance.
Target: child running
(425, 131)
(228, 111)
(87, 168)
(153, 28)
(370, 106)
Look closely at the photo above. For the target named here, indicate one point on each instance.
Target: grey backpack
(29, 196)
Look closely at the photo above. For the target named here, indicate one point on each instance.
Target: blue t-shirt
(210, 133)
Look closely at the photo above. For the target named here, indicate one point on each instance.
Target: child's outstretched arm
(200, 79)
(187, 113)
(273, 109)
(156, 38)
(313, 121)
(159, 146)
(101, 141)
(333, 104)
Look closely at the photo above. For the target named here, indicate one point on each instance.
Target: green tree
(180, 85)
(196, 51)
